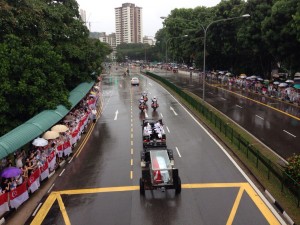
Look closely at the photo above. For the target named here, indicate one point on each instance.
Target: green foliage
(293, 168)
(45, 52)
(136, 51)
(252, 45)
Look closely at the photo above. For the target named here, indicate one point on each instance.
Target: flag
(34, 181)
(60, 149)
(3, 203)
(67, 148)
(44, 169)
(51, 160)
(18, 196)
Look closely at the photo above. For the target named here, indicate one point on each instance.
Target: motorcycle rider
(141, 101)
(144, 95)
(154, 100)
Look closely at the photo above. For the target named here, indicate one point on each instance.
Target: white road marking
(150, 84)
(289, 133)
(161, 115)
(178, 152)
(37, 208)
(146, 115)
(259, 117)
(171, 108)
(223, 98)
(50, 188)
(71, 159)
(62, 172)
(168, 129)
(116, 115)
(235, 164)
(239, 106)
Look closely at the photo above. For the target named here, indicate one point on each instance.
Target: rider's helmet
(142, 98)
(154, 98)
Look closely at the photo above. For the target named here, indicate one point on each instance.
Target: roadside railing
(269, 170)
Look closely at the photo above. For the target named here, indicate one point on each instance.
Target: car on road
(135, 81)
(158, 171)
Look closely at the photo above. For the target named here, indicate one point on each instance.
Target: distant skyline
(101, 14)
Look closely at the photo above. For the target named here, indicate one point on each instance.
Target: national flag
(3, 203)
(18, 196)
(161, 174)
(51, 160)
(67, 148)
(44, 169)
(60, 149)
(34, 181)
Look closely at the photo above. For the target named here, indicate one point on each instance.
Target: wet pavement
(100, 184)
(274, 122)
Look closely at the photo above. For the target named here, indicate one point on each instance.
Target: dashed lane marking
(289, 133)
(259, 117)
(178, 152)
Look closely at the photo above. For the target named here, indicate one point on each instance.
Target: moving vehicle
(153, 133)
(158, 171)
(143, 106)
(154, 106)
(135, 81)
(175, 69)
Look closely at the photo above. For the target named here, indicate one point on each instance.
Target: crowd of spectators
(49, 157)
(284, 90)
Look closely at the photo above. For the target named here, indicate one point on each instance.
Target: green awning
(79, 92)
(40, 123)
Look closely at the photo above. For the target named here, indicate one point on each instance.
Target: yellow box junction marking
(244, 187)
(63, 210)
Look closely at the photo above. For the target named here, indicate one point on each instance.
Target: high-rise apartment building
(111, 40)
(128, 24)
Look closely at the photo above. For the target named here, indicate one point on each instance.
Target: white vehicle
(135, 81)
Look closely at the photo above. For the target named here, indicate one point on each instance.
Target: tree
(45, 52)
(280, 32)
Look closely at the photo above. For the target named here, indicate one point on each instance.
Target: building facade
(128, 24)
(111, 40)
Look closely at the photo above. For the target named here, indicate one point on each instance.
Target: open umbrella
(40, 142)
(243, 76)
(297, 86)
(282, 85)
(276, 82)
(51, 135)
(289, 81)
(60, 128)
(11, 172)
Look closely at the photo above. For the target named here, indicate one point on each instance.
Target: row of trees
(45, 52)
(268, 39)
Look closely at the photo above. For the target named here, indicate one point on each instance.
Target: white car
(135, 81)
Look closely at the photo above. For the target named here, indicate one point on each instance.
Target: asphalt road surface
(273, 122)
(100, 184)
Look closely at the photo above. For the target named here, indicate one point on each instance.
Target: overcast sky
(101, 14)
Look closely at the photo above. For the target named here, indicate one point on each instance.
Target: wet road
(100, 184)
(273, 122)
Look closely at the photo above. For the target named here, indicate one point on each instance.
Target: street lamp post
(204, 45)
